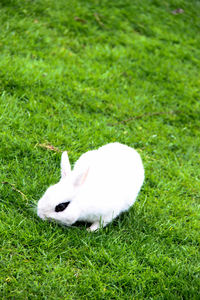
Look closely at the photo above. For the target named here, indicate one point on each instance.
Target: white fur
(103, 183)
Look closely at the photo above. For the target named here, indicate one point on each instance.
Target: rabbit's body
(103, 183)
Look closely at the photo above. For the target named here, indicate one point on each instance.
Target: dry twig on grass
(98, 20)
(172, 112)
(80, 20)
(15, 189)
(48, 146)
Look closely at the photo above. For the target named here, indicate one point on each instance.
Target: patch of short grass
(76, 76)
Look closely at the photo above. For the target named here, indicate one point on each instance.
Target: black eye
(61, 206)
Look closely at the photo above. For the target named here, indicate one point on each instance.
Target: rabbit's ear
(65, 165)
(80, 178)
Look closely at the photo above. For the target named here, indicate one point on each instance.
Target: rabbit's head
(57, 203)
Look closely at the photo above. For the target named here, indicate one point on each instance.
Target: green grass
(71, 74)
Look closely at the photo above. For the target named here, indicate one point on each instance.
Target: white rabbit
(103, 183)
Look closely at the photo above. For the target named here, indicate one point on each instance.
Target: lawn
(75, 75)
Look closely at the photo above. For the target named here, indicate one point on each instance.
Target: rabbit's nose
(41, 215)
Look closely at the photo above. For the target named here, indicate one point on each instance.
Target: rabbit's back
(114, 179)
(116, 165)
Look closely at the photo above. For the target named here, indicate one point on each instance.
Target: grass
(77, 75)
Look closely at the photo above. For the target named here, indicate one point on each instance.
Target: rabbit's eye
(61, 206)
